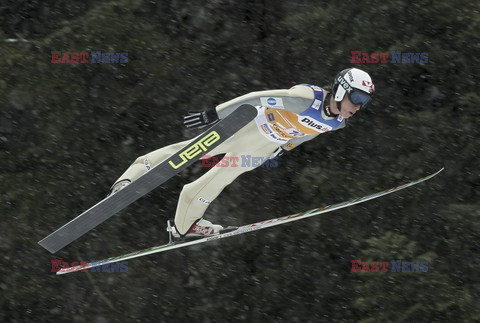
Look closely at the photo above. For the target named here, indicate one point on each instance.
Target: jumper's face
(348, 108)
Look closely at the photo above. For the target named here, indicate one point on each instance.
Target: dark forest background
(67, 131)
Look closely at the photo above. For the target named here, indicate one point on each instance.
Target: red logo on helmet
(371, 87)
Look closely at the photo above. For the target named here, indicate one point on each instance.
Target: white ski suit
(286, 118)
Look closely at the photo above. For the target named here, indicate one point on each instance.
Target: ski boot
(200, 229)
(119, 186)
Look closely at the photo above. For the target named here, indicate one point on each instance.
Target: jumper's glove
(277, 153)
(200, 119)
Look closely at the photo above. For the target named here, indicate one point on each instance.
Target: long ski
(171, 166)
(246, 228)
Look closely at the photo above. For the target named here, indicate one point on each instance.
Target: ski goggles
(358, 97)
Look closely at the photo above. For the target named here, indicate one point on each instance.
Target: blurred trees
(413, 296)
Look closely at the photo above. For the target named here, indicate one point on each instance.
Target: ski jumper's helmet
(354, 83)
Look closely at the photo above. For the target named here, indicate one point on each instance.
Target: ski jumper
(286, 118)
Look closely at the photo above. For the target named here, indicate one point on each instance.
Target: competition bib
(280, 126)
